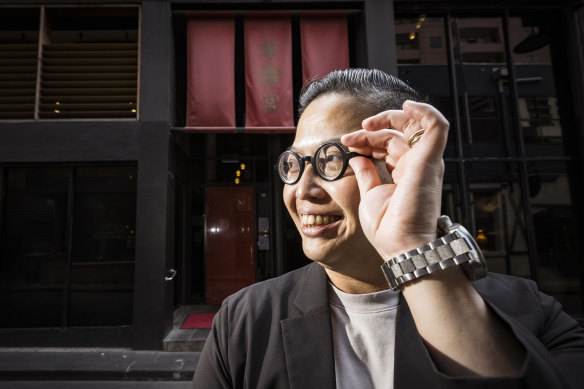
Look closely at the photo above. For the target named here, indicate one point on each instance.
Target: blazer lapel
(307, 334)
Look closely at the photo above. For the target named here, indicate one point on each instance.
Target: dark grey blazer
(277, 334)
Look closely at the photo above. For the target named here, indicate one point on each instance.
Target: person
(337, 322)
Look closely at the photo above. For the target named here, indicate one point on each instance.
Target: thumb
(366, 174)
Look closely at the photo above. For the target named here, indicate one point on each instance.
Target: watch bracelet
(440, 254)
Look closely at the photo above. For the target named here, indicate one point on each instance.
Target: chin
(319, 252)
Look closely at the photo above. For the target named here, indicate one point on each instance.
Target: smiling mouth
(319, 220)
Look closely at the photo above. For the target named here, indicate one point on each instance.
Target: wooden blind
(89, 80)
(18, 72)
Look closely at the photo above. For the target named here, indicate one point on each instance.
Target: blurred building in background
(138, 139)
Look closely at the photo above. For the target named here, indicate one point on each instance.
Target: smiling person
(397, 297)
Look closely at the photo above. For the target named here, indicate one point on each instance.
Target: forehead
(327, 118)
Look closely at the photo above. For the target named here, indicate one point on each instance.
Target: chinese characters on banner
(268, 72)
(210, 84)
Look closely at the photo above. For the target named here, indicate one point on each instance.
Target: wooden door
(229, 241)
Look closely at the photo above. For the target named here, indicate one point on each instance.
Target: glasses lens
(329, 161)
(288, 167)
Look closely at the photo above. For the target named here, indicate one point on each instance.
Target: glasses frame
(347, 155)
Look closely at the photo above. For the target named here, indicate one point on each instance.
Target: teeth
(318, 220)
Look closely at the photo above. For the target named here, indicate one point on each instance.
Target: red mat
(198, 320)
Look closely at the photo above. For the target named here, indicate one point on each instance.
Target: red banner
(268, 73)
(325, 45)
(210, 83)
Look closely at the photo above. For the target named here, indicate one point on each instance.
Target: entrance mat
(198, 320)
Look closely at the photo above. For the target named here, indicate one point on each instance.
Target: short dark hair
(377, 90)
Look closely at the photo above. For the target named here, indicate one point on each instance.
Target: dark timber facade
(104, 193)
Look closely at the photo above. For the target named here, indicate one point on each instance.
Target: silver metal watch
(456, 246)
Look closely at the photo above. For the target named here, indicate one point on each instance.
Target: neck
(367, 278)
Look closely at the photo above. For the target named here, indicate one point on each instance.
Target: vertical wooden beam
(153, 305)
(380, 34)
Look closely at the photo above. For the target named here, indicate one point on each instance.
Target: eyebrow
(337, 140)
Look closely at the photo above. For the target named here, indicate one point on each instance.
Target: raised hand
(400, 216)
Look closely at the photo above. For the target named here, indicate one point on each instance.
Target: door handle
(170, 277)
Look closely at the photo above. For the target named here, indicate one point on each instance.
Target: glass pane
(481, 76)
(498, 221)
(423, 63)
(478, 40)
(557, 232)
(452, 194)
(538, 105)
(102, 270)
(33, 257)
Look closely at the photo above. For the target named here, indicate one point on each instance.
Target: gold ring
(415, 137)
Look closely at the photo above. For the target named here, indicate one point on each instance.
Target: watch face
(476, 268)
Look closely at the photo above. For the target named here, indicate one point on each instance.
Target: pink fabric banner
(325, 45)
(268, 73)
(210, 83)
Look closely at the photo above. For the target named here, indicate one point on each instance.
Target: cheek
(288, 196)
(349, 198)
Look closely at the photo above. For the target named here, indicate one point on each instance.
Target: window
(435, 42)
(407, 41)
(478, 35)
(67, 246)
(88, 59)
(513, 178)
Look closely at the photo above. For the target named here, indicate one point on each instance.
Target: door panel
(229, 241)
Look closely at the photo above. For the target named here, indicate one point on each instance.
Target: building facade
(138, 139)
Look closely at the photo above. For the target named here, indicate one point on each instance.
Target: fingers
(376, 139)
(413, 117)
(366, 174)
(378, 144)
(381, 120)
(432, 121)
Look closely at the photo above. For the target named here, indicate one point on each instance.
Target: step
(186, 340)
(96, 364)
(95, 384)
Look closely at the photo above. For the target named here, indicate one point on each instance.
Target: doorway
(229, 241)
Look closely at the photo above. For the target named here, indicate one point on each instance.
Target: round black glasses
(330, 162)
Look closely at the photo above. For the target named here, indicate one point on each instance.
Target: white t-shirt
(363, 337)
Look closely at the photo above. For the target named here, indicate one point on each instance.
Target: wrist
(455, 248)
(402, 245)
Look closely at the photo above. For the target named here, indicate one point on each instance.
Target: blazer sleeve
(212, 370)
(563, 337)
(553, 340)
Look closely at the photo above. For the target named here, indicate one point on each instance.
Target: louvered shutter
(18, 72)
(89, 80)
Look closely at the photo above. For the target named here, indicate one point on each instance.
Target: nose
(309, 185)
